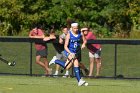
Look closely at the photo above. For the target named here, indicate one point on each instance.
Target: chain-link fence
(118, 60)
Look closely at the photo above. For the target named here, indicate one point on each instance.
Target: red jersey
(38, 32)
(92, 47)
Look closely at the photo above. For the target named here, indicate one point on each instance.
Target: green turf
(127, 59)
(128, 64)
(27, 84)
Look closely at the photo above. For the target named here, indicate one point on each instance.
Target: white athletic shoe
(55, 75)
(52, 61)
(66, 75)
(82, 82)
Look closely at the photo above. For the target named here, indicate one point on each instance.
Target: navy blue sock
(59, 62)
(77, 73)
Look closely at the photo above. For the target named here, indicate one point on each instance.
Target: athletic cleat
(52, 61)
(55, 75)
(81, 82)
(65, 76)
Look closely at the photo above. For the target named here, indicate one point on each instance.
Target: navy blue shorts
(78, 55)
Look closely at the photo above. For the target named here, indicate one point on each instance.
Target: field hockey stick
(62, 70)
(13, 63)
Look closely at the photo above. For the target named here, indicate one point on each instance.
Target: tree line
(107, 18)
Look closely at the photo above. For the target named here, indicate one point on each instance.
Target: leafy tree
(10, 16)
(106, 17)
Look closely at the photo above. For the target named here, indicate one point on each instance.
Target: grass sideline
(28, 84)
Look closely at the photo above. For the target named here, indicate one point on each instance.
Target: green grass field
(128, 57)
(27, 84)
(128, 64)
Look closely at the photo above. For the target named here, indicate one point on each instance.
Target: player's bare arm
(67, 42)
(84, 42)
(61, 41)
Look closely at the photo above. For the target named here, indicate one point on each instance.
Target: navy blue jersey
(74, 42)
